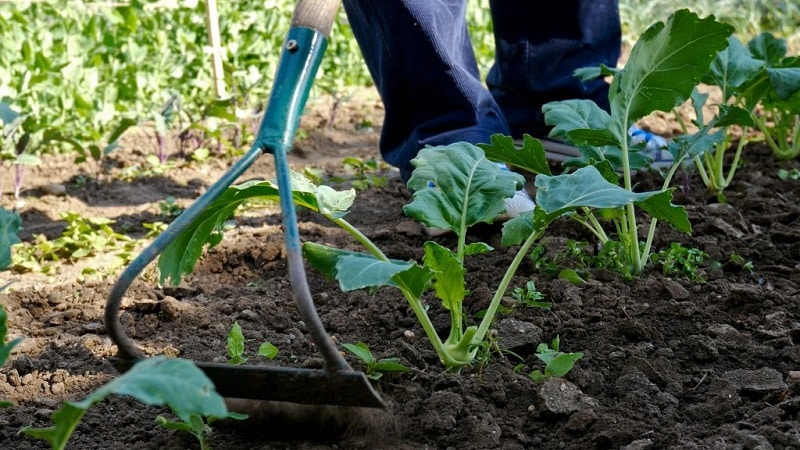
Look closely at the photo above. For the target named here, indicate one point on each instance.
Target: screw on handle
(316, 14)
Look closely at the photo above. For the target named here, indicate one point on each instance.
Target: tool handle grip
(316, 14)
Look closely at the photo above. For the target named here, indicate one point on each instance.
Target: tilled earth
(668, 363)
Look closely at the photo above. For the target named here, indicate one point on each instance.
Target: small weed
(679, 260)
(375, 367)
(154, 229)
(557, 363)
(364, 173)
(82, 238)
(785, 175)
(169, 208)
(529, 296)
(236, 347)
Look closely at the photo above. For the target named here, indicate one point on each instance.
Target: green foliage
(665, 64)
(455, 187)
(5, 347)
(529, 296)
(791, 174)
(180, 257)
(376, 368)
(236, 346)
(557, 363)
(83, 237)
(679, 260)
(364, 173)
(10, 223)
(175, 383)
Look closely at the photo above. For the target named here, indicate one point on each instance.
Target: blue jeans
(422, 61)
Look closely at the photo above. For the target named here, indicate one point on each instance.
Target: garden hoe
(337, 383)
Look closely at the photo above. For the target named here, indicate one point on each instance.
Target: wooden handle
(316, 14)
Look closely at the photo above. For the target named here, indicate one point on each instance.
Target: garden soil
(669, 363)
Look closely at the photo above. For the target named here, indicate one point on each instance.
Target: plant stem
(488, 318)
(736, 158)
(360, 237)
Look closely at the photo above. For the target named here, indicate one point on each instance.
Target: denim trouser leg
(421, 58)
(423, 64)
(538, 47)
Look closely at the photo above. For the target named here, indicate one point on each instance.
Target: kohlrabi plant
(456, 187)
(764, 81)
(664, 66)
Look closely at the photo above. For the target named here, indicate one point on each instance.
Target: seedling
(557, 363)
(158, 381)
(5, 347)
(529, 296)
(792, 174)
(169, 208)
(376, 368)
(364, 173)
(83, 237)
(679, 260)
(236, 347)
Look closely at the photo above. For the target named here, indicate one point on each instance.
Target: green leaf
(449, 279)
(10, 223)
(665, 64)
(180, 257)
(767, 48)
(785, 81)
(569, 115)
(415, 281)
(236, 345)
(358, 271)
(389, 365)
(353, 270)
(562, 364)
(468, 188)
(477, 248)
(531, 156)
(584, 187)
(733, 67)
(361, 350)
(267, 350)
(116, 133)
(660, 207)
(157, 381)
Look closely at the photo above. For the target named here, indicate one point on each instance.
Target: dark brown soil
(669, 363)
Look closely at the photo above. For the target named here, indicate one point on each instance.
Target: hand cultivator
(337, 383)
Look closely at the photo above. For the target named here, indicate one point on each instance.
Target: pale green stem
(591, 223)
(430, 331)
(698, 163)
(413, 302)
(360, 237)
(488, 318)
(736, 157)
(631, 239)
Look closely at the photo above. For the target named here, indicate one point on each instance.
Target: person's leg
(539, 45)
(423, 64)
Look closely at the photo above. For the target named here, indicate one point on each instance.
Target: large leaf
(586, 187)
(733, 67)
(10, 223)
(785, 81)
(157, 381)
(531, 156)
(767, 48)
(467, 187)
(665, 64)
(569, 115)
(353, 270)
(449, 279)
(180, 257)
